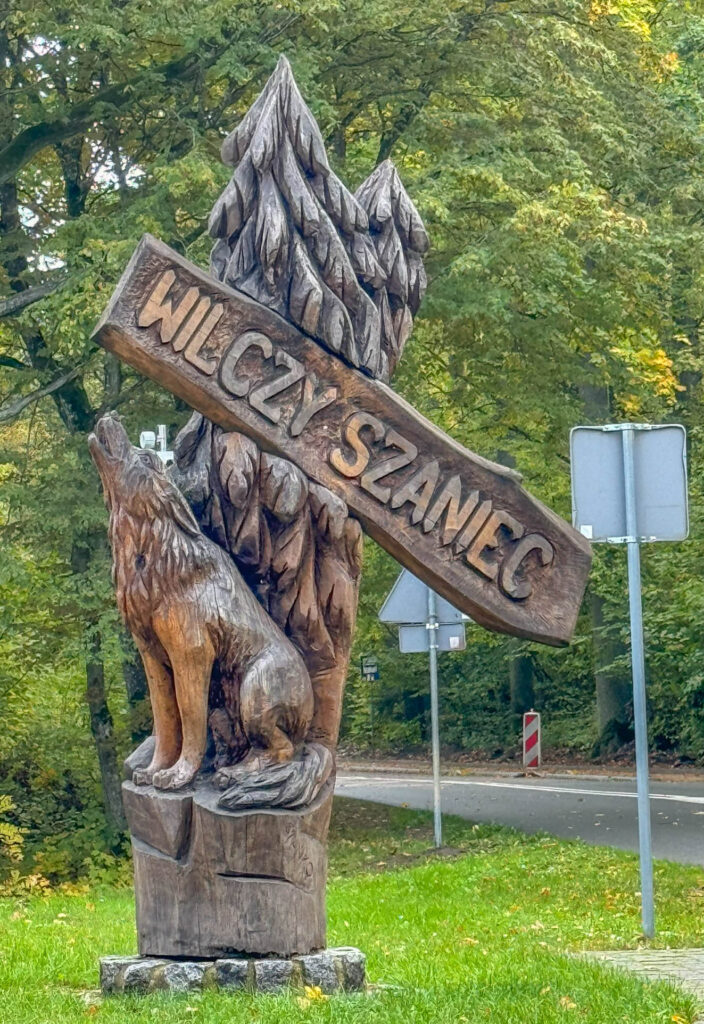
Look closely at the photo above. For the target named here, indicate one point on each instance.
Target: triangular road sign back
(407, 603)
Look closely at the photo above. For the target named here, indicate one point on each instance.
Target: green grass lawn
(480, 936)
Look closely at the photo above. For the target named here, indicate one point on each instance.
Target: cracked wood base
(209, 882)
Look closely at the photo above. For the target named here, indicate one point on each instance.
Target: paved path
(599, 810)
(683, 966)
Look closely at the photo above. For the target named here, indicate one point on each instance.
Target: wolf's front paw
(175, 777)
(143, 776)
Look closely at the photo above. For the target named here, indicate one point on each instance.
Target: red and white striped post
(531, 739)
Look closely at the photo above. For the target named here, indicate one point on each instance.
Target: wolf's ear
(181, 511)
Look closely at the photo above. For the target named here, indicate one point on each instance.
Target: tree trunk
(613, 691)
(140, 712)
(520, 671)
(101, 724)
(103, 733)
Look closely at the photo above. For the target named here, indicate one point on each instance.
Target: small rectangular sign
(369, 667)
(415, 639)
(462, 524)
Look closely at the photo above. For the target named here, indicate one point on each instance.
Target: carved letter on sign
(461, 523)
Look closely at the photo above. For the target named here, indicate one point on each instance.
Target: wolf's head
(134, 481)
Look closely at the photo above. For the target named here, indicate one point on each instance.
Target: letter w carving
(159, 308)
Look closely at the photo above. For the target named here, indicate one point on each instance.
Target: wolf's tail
(291, 784)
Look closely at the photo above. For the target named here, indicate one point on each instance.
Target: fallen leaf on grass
(471, 942)
(315, 994)
(567, 1003)
(544, 991)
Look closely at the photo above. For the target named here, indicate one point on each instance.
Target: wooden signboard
(462, 524)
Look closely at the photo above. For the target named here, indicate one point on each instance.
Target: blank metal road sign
(598, 489)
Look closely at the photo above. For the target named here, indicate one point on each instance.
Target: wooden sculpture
(238, 573)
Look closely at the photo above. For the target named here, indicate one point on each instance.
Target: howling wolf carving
(197, 626)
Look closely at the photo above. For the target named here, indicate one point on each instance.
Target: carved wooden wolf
(195, 622)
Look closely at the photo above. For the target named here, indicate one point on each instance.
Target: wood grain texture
(461, 523)
(400, 240)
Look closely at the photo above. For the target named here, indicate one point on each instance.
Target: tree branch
(16, 303)
(14, 364)
(13, 409)
(25, 145)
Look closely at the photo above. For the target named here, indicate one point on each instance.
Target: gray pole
(371, 709)
(432, 626)
(639, 700)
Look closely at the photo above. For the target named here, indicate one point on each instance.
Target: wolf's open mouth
(110, 438)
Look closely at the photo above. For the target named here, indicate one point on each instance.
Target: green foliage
(11, 837)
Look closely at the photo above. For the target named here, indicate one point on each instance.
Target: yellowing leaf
(315, 994)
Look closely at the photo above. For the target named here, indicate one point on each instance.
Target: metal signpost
(369, 668)
(629, 485)
(426, 622)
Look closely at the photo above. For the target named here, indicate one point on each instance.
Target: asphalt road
(601, 811)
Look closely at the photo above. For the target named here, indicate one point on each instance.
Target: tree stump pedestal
(210, 883)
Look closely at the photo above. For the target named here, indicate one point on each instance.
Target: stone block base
(331, 970)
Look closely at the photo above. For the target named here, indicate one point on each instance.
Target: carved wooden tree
(292, 236)
(399, 240)
(348, 271)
